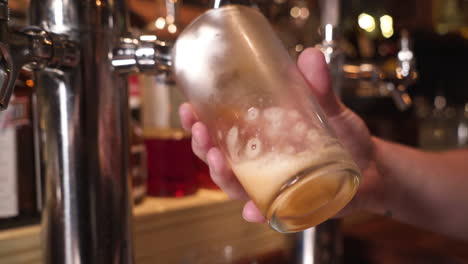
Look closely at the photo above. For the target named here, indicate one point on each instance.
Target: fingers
(187, 116)
(203, 148)
(201, 141)
(251, 213)
(223, 176)
(314, 68)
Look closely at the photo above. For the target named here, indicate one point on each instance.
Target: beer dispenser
(80, 52)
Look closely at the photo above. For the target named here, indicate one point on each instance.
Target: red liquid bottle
(172, 167)
(203, 176)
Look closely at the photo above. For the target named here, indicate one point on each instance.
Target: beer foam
(252, 114)
(265, 175)
(294, 114)
(274, 115)
(299, 129)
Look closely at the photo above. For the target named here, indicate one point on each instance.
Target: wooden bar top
(203, 228)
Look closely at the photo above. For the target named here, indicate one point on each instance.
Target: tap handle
(406, 73)
(405, 70)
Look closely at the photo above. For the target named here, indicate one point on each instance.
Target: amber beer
(293, 189)
(294, 170)
(261, 113)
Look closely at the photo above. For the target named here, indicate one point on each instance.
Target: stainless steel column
(83, 123)
(322, 244)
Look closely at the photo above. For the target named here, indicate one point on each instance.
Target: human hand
(349, 128)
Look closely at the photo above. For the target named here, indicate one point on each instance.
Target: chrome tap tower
(80, 51)
(83, 123)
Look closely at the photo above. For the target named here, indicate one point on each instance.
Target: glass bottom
(313, 196)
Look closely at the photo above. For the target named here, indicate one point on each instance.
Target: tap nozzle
(146, 54)
(30, 46)
(154, 55)
(406, 73)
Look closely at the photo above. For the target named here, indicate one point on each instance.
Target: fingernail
(248, 217)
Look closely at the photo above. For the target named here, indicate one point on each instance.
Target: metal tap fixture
(220, 3)
(394, 84)
(32, 46)
(334, 57)
(322, 244)
(79, 50)
(143, 54)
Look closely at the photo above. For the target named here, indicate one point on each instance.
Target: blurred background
(400, 64)
(368, 39)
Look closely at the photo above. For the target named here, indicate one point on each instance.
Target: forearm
(425, 188)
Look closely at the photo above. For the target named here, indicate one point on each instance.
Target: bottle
(20, 193)
(172, 166)
(173, 169)
(204, 177)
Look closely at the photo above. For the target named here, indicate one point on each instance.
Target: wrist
(392, 163)
(381, 189)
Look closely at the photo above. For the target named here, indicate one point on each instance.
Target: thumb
(313, 67)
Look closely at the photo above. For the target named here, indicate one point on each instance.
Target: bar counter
(207, 228)
(202, 228)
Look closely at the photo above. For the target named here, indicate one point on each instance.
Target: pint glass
(262, 115)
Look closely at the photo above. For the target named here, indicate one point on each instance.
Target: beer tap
(80, 52)
(393, 84)
(220, 3)
(32, 46)
(405, 73)
(145, 54)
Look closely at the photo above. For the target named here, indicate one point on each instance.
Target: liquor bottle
(20, 193)
(204, 177)
(172, 166)
(173, 169)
